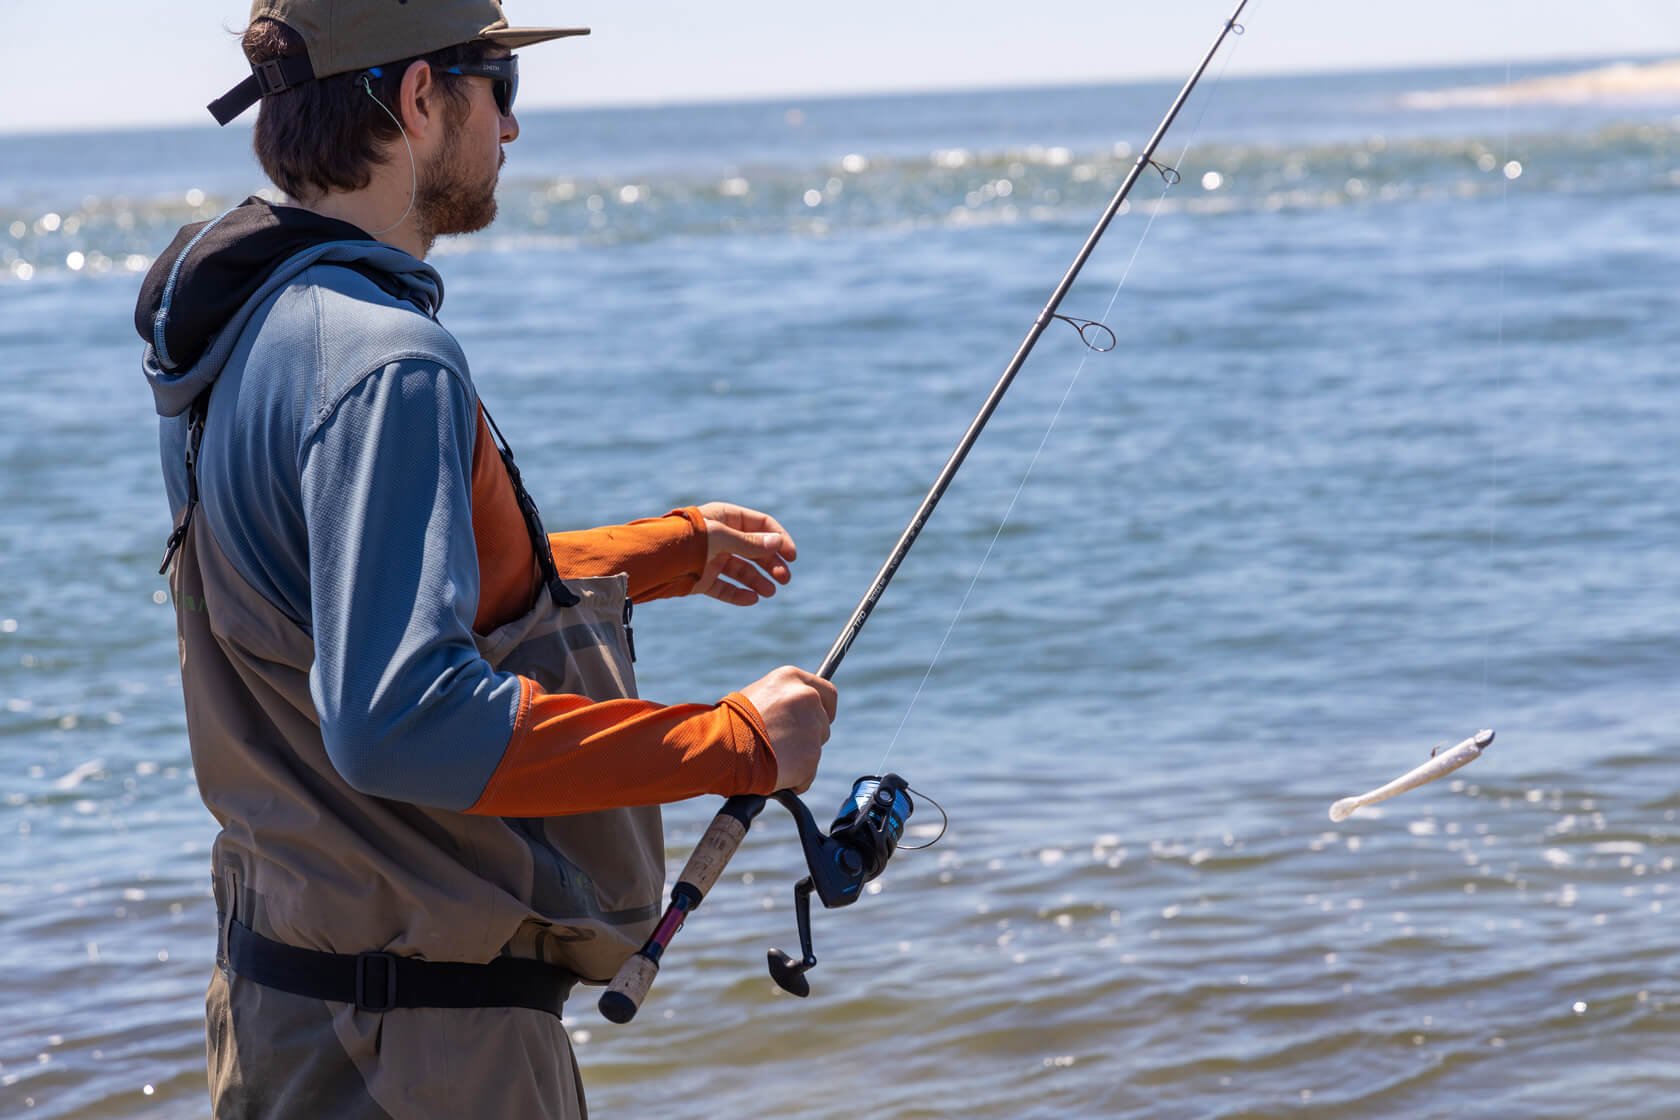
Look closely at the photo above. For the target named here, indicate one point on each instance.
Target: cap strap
(276, 75)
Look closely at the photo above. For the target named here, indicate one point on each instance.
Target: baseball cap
(341, 36)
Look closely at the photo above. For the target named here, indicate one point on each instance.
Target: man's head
(346, 85)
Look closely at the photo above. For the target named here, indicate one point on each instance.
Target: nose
(510, 128)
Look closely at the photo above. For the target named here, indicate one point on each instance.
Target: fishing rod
(871, 820)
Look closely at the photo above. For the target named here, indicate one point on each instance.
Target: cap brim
(515, 37)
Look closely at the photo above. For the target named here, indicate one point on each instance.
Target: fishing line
(1470, 749)
(1498, 383)
(1170, 178)
(871, 820)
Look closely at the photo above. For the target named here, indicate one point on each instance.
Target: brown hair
(328, 133)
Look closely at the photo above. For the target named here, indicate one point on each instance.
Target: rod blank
(634, 979)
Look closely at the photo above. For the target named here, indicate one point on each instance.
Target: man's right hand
(797, 708)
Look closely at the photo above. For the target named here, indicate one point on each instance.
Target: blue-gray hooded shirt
(334, 472)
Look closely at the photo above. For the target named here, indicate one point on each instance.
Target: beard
(450, 198)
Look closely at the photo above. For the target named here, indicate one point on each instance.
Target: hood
(201, 290)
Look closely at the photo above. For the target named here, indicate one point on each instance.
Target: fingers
(733, 593)
(770, 526)
(740, 517)
(770, 549)
(765, 548)
(750, 584)
(772, 539)
(732, 558)
(747, 554)
(748, 576)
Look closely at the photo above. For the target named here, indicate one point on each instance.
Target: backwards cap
(340, 36)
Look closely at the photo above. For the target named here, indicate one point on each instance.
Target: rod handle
(624, 996)
(717, 847)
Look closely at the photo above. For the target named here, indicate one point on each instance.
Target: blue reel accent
(864, 801)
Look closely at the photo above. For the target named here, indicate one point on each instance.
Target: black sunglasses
(502, 72)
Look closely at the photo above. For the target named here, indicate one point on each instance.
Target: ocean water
(1385, 454)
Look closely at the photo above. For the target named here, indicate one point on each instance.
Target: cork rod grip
(624, 996)
(713, 853)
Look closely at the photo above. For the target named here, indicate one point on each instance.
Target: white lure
(1466, 752)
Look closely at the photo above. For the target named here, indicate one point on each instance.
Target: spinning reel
(858, 845)
(855, 850)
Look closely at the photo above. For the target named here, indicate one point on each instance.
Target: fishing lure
(1462, 755)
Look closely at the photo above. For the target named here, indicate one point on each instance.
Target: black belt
(383, 981)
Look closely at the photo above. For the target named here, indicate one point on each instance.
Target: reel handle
(624, 996)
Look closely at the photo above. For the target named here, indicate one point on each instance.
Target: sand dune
(1622, 81)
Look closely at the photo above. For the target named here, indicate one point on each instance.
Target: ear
(420, 105)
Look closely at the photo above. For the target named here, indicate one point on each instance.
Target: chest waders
(377, 958)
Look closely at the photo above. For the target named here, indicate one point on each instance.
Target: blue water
(1385, 455)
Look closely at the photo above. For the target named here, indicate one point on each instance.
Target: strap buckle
(376, 973)
(270, 78)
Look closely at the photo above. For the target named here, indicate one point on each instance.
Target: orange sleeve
(662, 555)
(507, 567)
(570, 754)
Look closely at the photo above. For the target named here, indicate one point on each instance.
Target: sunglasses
(504, 78)
(502, 72)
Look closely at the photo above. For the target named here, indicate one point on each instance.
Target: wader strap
(195, 434)
(563, 595)
(383, 981)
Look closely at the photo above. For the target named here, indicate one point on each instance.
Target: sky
(101, 63)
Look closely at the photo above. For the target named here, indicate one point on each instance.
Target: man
(411, 711)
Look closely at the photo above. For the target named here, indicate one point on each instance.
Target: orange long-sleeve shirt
(570, 754)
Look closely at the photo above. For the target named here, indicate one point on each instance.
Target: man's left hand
(745, 551)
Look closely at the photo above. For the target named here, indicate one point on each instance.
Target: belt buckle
(384, 978)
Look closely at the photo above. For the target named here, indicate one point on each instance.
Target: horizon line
(1025, 85)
